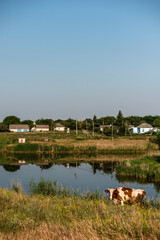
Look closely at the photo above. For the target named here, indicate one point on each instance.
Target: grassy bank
(147, 169)
(59, 215)
(77, 149)
(72, 144)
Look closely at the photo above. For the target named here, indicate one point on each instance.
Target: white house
(142, 128)
(41, 128)
(59, 127)
(19, 128)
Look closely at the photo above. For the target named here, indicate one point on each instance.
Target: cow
(126, 195)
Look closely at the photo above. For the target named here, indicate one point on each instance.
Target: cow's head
(111, 192)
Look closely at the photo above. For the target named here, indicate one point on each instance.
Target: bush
(25, 147)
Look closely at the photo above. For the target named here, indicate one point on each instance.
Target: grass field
(65, 143)
(62, 216)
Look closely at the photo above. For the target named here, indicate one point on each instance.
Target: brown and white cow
(126, 195)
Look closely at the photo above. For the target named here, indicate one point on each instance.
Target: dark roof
(59, 125)
(18, 126)
(145, 125)
(42, 126)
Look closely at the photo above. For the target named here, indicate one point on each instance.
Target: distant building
(102, 127)
(21, 140)
(59, 127)
(19, 128)
(142, 128)
(40, 128)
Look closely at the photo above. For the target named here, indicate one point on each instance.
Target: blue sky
(76, 58)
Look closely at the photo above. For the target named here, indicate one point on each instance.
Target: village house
(18, 128)
(142, 128)
(40, 128)
(59, 127)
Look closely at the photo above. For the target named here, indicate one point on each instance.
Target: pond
(82, 175)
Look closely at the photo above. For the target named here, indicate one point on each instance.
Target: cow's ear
(107, 191)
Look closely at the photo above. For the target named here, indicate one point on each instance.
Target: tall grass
(74, 217)
(147, 168)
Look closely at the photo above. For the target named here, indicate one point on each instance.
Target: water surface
(85, 176)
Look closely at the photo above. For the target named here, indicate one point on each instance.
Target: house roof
(59, 125)
(145, 125)
(131, 126)
(42, 126)
(18, 126)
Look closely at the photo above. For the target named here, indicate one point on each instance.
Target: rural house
(142, 128)
(59, 127)
(40, 128)
(19, 128)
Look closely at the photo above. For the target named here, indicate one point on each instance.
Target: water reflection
(87, 174)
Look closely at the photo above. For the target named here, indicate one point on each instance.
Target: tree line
(119, 123)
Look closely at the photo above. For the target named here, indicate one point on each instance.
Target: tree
(11, 120)
(120, 123)
(149, 119)
(45, 122)
(3, 127)
(29, 122)
(134, 120)
(156, 122)
(108, 131)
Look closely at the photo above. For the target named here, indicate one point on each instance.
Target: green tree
(45, 122)
(149, 119)
(156, 122)
(29, 122)
(120, 123)
(3, 127)
(134, 120)
(120, 118)
(11, 120)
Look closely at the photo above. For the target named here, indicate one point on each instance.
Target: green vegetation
(26, 147)
(147, 169)
(89, 216)
(11, 120)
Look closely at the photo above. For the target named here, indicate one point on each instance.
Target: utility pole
(112, 131)
(76, 127)
(93, 128)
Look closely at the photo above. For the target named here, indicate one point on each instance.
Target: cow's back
(128, 195)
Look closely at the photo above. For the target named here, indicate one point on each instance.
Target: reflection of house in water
(67, 165)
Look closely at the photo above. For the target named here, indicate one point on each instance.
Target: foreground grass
(54, 216)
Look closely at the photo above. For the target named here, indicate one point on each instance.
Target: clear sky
(77, 58)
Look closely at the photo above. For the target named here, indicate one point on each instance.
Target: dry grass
(57, 232)
(55, 217)
(108, 144)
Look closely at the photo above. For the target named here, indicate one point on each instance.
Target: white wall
(42, 129)
(144, 130)
(60, 129)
